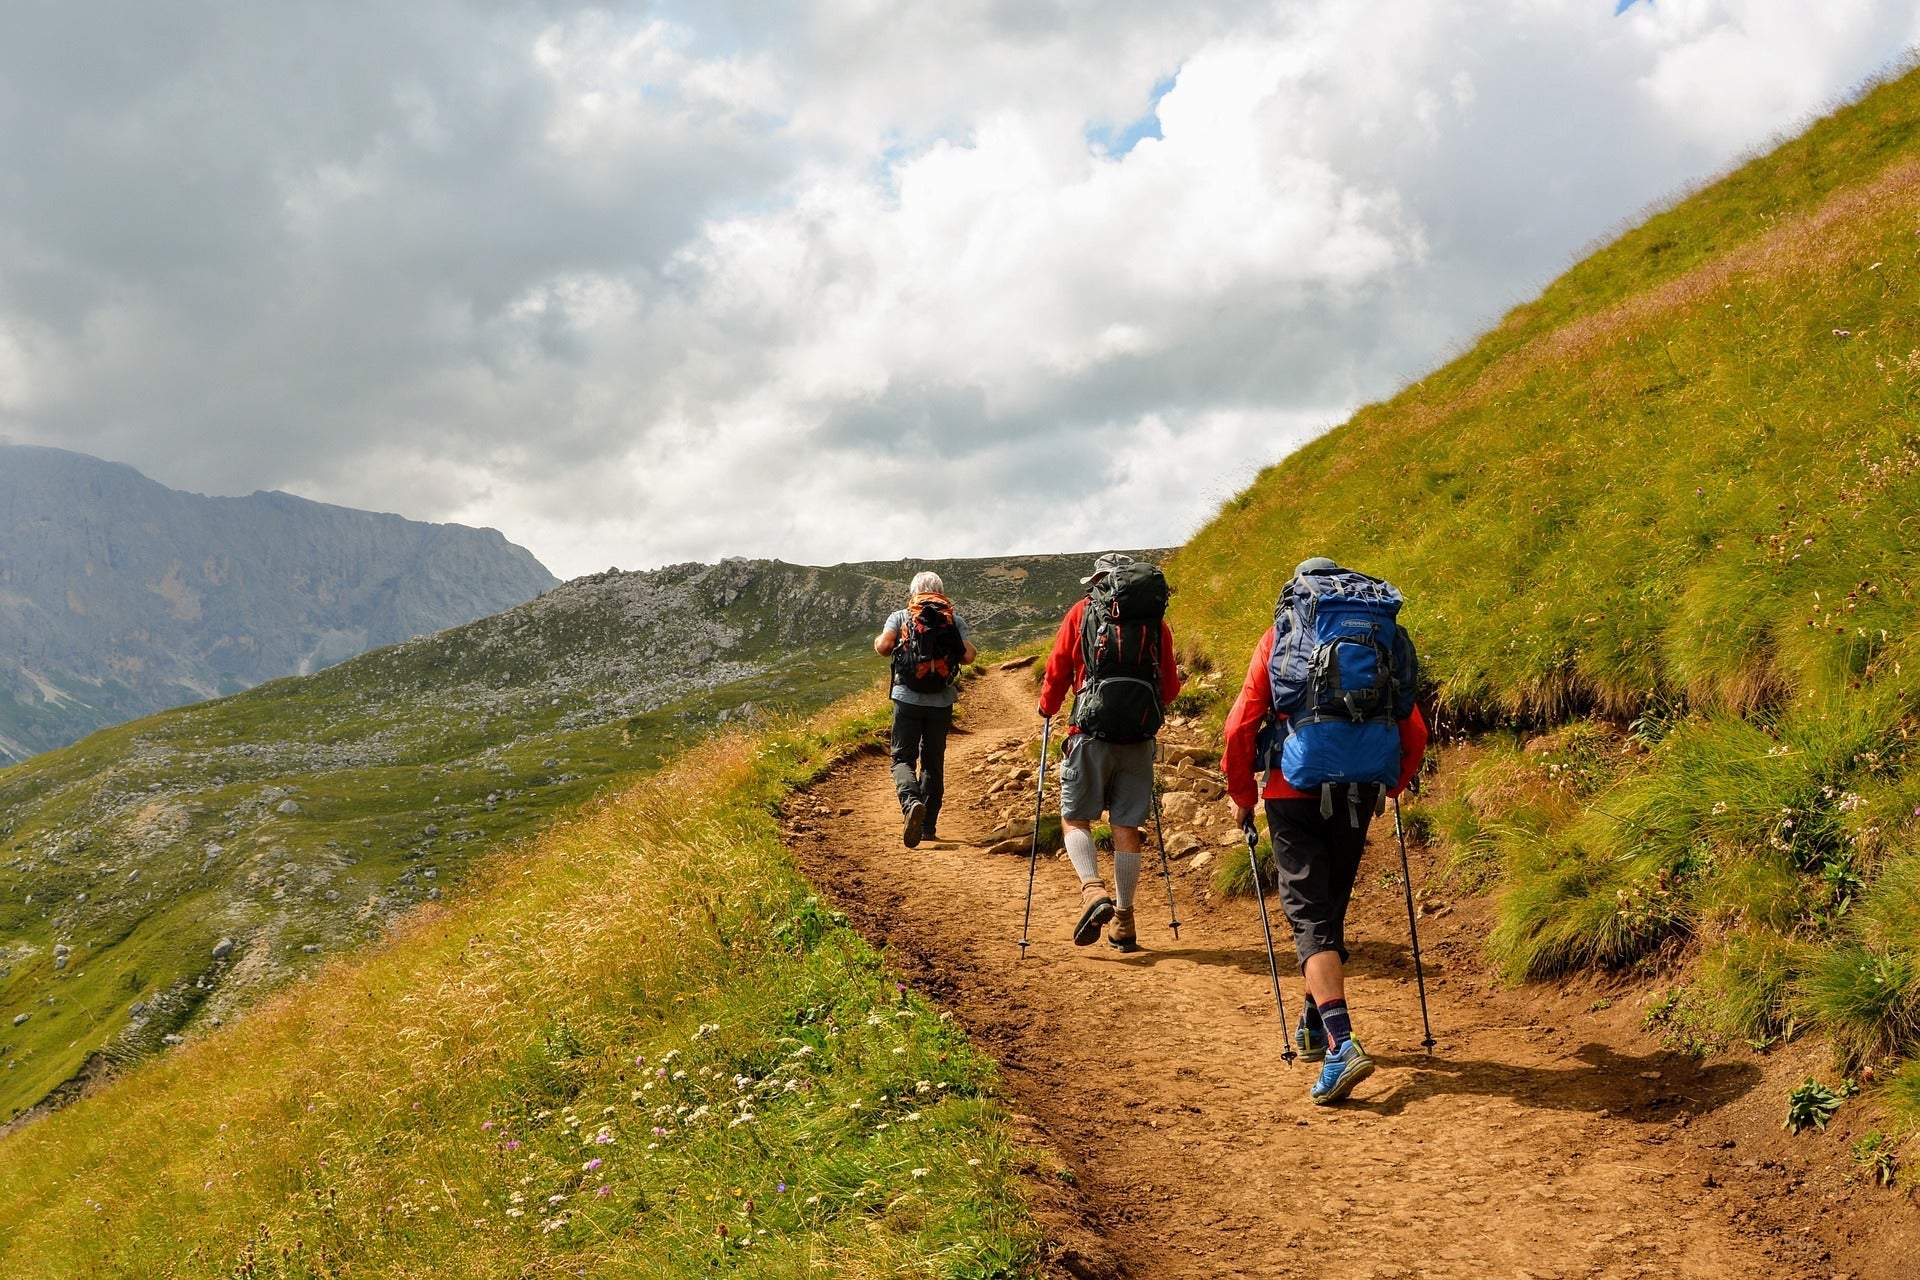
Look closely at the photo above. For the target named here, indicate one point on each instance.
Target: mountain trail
(1187, 1148)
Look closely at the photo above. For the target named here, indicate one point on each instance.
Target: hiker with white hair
(928, 643)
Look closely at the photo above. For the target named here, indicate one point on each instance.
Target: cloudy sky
(638, 283)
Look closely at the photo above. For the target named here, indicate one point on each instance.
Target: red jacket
(1243, 725)
(1066, 668)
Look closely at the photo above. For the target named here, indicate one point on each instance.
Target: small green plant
(1810, 1103)
(1233, 877)
(1198, 699)
(1417, 823)
(1874, 1155)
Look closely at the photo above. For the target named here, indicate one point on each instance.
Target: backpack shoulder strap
(1090, 619)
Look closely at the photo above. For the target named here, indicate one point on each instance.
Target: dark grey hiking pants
(1318, 860)
(920, 739)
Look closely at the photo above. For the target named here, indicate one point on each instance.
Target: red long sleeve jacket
(1066, 667)
(1243, 727)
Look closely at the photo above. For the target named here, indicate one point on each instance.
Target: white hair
(927, 580)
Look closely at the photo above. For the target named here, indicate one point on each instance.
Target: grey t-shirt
(947, 696)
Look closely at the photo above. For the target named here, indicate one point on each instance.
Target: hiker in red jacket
(1318, 837)
(1114, 650)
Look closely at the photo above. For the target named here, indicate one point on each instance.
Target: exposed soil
(1545, 1137)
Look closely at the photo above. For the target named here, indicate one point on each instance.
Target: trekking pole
(1273, 968)
(1419, 975)
(1033, 855)
(1160, 835)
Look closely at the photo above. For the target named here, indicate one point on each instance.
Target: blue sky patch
(1118, 139)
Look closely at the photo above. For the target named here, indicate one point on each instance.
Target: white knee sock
(1080, 851)
(1126, 874)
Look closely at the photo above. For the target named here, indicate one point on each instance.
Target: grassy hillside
(1658, 534)
(300, 819)
(640, 1047)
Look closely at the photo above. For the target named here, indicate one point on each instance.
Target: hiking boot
(1121, 935)
(1343, 1069)
(916, 818)
(1096, 908)
(1310, 1042)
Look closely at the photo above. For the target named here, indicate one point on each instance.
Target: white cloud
(1717, 66)
(647, 283)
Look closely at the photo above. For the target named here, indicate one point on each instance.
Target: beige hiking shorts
(1111, 777)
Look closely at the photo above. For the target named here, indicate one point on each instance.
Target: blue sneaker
(1343, 1069)
(1310, 1042)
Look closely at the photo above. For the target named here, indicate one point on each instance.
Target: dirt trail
(1514, 1151)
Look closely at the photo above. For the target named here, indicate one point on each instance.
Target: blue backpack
(1344, 675)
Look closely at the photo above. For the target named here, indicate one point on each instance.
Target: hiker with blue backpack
(927, 642)
(1328, 713)
(1114, 652)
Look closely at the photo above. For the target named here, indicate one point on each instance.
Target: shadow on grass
(1608, 1081)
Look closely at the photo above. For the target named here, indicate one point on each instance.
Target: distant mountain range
(120, 597)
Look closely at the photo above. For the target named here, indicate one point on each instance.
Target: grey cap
(1316, 564)
(1106, 564)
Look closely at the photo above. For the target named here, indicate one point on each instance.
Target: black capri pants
(1318, 859)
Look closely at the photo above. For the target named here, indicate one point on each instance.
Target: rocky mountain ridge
(120, 596)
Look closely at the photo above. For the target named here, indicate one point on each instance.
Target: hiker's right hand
(1242, 815)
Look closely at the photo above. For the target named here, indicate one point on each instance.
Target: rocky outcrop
(120, 596)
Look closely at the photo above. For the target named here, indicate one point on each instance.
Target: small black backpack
(1120, 648)
(930, 651)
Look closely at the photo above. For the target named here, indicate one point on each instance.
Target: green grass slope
(1660, 526)
(638, 1047)
(301, 818)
